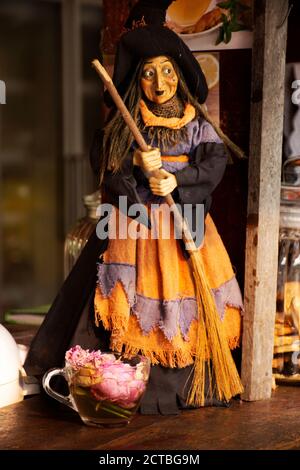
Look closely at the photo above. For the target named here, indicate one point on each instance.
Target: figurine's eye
(148, 73)
(167, 70)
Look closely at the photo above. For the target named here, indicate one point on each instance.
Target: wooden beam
(268, 69)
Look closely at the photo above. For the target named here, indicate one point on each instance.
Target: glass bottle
(286, 360)
(80, 233)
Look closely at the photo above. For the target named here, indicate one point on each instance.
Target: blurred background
(53, 106)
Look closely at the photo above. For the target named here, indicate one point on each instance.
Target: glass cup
(104, 393)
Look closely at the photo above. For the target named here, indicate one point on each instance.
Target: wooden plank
(40, 423)
(263, 196)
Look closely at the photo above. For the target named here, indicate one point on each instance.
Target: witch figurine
(141, 287)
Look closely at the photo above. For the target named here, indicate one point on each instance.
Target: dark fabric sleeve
(121, 183)
(197, 181)
(95, 156)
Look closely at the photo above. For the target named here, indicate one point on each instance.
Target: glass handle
(65, 400)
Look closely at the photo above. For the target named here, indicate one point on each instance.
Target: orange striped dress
(145, 293)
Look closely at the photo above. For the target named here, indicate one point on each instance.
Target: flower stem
(117, 408)
(109, 409)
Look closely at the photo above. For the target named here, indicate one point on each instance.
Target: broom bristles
(212, 347)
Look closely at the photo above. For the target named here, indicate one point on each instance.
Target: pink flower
(107, 377)
(118, 385)
(77, 357)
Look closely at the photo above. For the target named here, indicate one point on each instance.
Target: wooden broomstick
(212, 346)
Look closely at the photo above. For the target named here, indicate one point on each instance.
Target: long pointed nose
(159, 81)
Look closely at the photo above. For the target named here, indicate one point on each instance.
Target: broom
(212, 346)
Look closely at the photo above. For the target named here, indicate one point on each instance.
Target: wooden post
(268, 69)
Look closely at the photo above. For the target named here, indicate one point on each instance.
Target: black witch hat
(147, 36)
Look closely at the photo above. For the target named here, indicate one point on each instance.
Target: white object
(201, 34)
(294, 137)
(11, 382)
(206, 40)
(23, 351)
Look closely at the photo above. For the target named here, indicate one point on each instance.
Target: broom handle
(179, 221)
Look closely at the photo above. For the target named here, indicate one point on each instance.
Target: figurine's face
(159, 80)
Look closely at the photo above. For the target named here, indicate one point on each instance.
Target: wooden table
(42, 423)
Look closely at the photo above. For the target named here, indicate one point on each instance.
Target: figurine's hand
(163, 186)
(148, 161)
